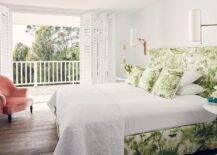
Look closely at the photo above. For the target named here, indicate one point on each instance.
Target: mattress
(144, 112)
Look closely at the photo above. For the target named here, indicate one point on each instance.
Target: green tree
(69, 54)
(20, 52)
(43, 45)
(55, 43)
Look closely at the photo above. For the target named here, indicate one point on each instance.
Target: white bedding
(119, 104)
(143, 112)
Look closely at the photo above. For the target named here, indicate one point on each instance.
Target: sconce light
(195, 26)
(125, 45)
(134, 38)
(144, 43)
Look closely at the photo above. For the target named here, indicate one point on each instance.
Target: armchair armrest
(19, 92)
(2, 100)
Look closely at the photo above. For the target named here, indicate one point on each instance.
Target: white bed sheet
(94, 119)
(143, 112)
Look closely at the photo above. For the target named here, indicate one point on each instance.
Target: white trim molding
(43, 10)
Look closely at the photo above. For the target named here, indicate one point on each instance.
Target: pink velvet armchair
(12, 99)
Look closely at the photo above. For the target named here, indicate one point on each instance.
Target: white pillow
(189, 77)
(192, 89)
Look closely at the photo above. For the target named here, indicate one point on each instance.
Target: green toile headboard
(202, 59)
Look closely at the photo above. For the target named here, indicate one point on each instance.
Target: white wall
(164, 23)
(123, 25)
(134, 55)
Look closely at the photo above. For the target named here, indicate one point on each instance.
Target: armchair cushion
(2, 102)
(12, 99)
(6, 86)
(2, 99)
(19, 92)
(15, 104)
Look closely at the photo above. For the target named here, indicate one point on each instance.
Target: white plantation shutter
(102, 22)
(86, 48)
(95, 63)
(97, 48)
(106, 47)
(111, 47)
(6, 64)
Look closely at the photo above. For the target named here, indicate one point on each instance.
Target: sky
(20, 20)
(20, 35)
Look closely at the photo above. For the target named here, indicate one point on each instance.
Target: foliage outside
(51, 43)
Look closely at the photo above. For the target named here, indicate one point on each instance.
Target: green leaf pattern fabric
(186, 139)
(202, 59)
(176, 141)
(167, 83)
(135, 75)
(148, 79)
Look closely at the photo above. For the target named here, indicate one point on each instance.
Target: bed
(140, 111)
(114, 119)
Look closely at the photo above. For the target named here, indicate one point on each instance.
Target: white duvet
(93, 120)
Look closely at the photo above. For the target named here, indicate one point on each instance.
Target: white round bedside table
(211, 108)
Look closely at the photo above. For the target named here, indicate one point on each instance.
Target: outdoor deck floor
(42, 94)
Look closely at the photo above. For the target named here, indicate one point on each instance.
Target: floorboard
(28, 134)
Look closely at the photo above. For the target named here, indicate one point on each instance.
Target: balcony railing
(45, 72)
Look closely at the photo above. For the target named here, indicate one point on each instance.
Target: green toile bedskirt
(176, 141)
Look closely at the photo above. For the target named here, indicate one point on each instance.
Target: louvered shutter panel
(95, 64)
(102, 48)
(97, 53)
(111, 47)
(6, 60)
(106, 47)
(87, 46)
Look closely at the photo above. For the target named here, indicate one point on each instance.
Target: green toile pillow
(135, 75)
(167, 83)
(149, 77)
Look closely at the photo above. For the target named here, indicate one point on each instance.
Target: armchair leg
(31, 109)
(9, 118)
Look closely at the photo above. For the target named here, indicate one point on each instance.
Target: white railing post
(35, 74)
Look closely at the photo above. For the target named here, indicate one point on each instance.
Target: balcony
(34, 73)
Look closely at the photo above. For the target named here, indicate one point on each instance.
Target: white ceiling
(81, 4)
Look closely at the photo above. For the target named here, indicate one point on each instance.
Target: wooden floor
(28, 134)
